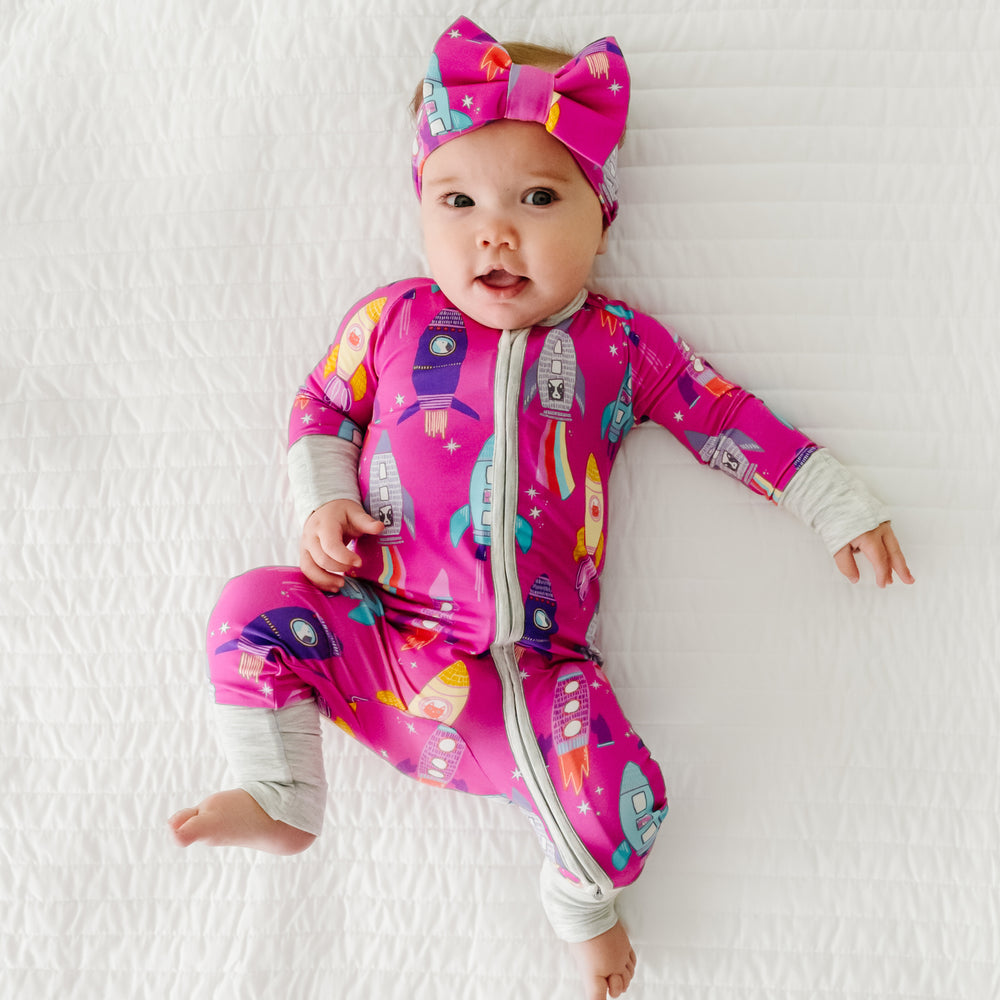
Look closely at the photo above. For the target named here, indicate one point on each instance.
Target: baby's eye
(459, 200)
(539, 196)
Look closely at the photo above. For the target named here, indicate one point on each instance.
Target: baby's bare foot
(607, 963)
(233, 819)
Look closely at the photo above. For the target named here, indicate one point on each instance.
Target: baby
(450, 457)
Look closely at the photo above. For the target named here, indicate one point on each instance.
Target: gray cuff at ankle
(575, 911)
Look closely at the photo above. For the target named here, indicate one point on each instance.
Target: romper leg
(275, 639)
(607, 782)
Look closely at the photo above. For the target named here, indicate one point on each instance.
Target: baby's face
(511, 225)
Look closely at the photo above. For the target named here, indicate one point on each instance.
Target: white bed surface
(192, 194)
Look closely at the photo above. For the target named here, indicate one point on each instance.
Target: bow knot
(472, 81)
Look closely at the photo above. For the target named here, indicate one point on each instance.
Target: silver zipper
(510, 613)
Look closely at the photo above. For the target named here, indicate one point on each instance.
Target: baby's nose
(497, 231)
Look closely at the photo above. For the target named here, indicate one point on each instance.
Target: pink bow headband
(471, 81)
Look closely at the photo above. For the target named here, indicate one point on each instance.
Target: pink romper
(462, 652)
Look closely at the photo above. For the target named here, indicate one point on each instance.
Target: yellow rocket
(444, 696)
(344, 372)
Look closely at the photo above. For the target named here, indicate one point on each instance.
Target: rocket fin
(460, 522)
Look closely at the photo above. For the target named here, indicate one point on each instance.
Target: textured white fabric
(195, 193)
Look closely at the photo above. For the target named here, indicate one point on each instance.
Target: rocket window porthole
(572, 687)
(542, 620)
(572, 729)
(639, 802)
(447, 745)
(441, 346)
(571, 706)
(304, 632)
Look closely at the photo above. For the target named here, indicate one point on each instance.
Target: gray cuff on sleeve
(575, 912)
(322, 468)
(832, 501)
(277, 757)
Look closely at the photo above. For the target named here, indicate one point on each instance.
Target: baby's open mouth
(499, 278)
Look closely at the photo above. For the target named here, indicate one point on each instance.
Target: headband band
(472, 81)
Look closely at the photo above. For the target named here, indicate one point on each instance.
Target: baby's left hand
(880, 548)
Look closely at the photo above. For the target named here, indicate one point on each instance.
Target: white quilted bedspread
(191, 193)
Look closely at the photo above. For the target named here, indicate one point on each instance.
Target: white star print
(400, 399)
(600, 791)
(452, 446)
(411, 727)
(467, 100)
(614, 350)
(615, 87)
(532, 492)
(516, 775)
(678, 416)
(455, 33)
(307, 418)
(266, 689)
(525, 675)
(225, 627)
(536, 513)
(583, 807)
(596, 685)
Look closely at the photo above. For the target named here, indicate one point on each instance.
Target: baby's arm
(837, 505)
(323, 471)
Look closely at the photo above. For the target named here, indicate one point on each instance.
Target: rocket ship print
(589, 549)
(441, 117)
(300, 631)
(613, 314)
(344, 372)
(443, 697)
(440, 757)
(436, 369)
(369, 606)
(699, 375)
(555, 378)
(388, 501)
(478, 513)
(540, 616)
(640, 822)
(727, 451)
(618, 418)
(571, 726)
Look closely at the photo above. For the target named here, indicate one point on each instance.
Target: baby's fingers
(331, 552)
(326, 579)
(844, 559)
(897, 561)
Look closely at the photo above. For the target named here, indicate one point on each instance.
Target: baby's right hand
(324, 557)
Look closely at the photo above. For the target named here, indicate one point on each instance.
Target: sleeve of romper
(729, 429)
(331, 410)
